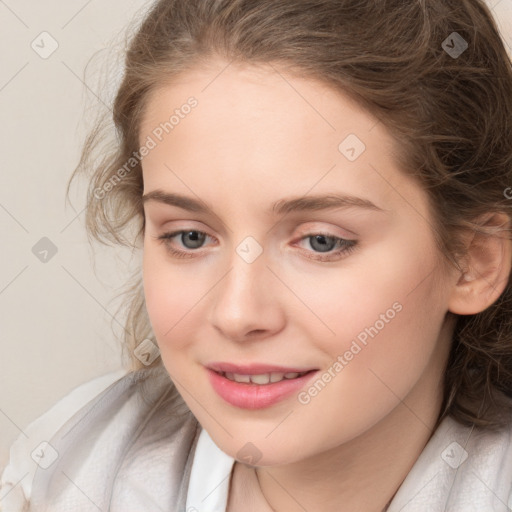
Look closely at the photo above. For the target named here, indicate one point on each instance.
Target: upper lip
(255, 368)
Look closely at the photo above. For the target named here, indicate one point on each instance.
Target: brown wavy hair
(451, 115)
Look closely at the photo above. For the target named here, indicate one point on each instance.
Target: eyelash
(348, 246)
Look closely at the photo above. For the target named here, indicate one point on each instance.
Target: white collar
(209, 478)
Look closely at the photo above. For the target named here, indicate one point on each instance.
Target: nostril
(255, 332)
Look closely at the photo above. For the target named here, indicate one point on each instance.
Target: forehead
(264, 128)
(264, 98)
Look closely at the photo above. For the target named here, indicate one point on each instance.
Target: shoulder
(461, 468)
(17, 477)
(101, 437)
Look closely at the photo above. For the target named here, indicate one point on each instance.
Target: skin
(253, 140)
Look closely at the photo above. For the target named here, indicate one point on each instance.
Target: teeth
(241, 378)
(260, 379)
(264, 378)
(276, 377)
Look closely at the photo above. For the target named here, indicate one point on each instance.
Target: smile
(262, 378)
(256, 386)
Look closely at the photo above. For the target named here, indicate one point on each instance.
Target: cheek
(386, 321)
(172, 295)
(385, 308)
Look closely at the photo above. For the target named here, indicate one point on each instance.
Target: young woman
(321, 192)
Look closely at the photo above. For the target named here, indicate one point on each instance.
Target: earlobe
(487, 267)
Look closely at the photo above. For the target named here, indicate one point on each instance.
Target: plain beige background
(56, 315)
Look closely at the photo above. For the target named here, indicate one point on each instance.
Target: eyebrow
(281, 207)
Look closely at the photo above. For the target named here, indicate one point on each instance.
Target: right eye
(190, 240)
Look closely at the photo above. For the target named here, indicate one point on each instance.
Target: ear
(487, 266)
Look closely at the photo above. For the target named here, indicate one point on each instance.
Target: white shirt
(17, 477)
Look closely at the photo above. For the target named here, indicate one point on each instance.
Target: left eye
(322, 243)
(326, 243)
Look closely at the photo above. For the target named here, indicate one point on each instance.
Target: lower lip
(256, 396)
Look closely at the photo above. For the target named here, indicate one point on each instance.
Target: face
(290, 270)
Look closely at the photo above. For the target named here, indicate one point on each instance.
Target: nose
(246, 304)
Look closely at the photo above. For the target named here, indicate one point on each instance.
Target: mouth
(256, 386)
(261, 379)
